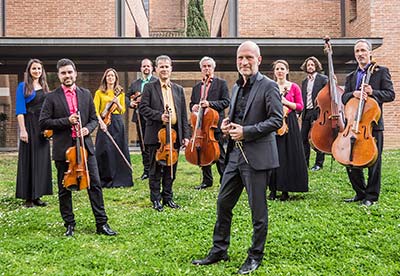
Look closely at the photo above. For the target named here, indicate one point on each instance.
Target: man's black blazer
(263, 115)
(54, 115)
(218, 96)
(135, 86)
(382, 87)
(319, 83)
(152, 107)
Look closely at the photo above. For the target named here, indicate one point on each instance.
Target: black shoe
(202, 186)
(249, 266)
(366, 203)
(70, 230)
(211, 259)
(157, 206)
(172, 204)
(144, 176)
(272, 195)
(353, 199)
(28, 204)
(40, 203)
(284, 196)
(105, 230)
(316, 168)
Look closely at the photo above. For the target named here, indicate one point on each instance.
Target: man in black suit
(136, 86)
(216, 96)
(310, 88)
(60, 114)
(156, 95)
(380, 88)
(254, 116)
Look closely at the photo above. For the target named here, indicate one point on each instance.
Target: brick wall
(167, 17)
(49, 18)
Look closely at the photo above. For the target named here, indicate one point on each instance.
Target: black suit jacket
(262, 117)
(54, 115)
(218, 96)
(152, 107)
(135, 86)
(382, 87)
(319, 83)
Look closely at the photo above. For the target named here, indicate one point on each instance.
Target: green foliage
(315, 233)
(196, 22)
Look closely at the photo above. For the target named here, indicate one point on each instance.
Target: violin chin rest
(73, 187)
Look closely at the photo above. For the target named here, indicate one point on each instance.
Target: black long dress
(34, 162)
(113, 170)
(292, 175)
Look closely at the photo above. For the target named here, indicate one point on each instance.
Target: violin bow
(119, 150)
(170, 139)
(133, 98)
(83, 147)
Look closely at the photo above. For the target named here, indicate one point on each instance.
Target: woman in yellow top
(113, 170)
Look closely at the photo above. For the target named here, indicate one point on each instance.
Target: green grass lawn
(315, 233)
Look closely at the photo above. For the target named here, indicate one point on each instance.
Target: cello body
(203, 149)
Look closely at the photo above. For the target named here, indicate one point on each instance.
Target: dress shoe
(105, 230)
(272, 195)
(28, 204)
(144, 176)
(202, 186)
(366, 202)
(39, 202)
(284, 196)
(70, 231)
(211, 259)
(316, 168)
(353, 199)
(249, 266)
(157, 206)
(172, 204)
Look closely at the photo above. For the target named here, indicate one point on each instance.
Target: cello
(77, 176)
(355, 146)
(331, 118)
(203, 148)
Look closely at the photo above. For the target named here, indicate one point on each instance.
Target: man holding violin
(64, 109)
(134, 98)
(380, 88)
(157, 98)
(211, 92)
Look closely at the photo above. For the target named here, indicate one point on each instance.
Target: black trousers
(206, 170)
(239, 175)
(310, 115)
(372, 189)
(144, 149)
(95, 193)
(160, 176)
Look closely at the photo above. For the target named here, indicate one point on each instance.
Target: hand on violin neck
(84, 131)
(195, 108)
(236, 132)
(73, 119)
(165, 117)
(204, 103)
(185, 142)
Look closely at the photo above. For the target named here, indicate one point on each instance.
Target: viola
(331, 116)
(110, 107)
(203, 148)
(77, 176)
(166, 154)
(355, 146)
(284, 128)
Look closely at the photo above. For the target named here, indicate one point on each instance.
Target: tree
(196, 22)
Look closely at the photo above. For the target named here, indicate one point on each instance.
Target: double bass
(355, 146)
(203, 148)
(331, 119)
(77, 176)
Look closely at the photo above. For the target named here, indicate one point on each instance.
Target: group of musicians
(253, 155)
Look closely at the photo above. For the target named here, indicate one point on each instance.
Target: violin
(284, 128)
(77, 176)
(48, 134)
(166, 154)
(331, 119)
(110, 107)
(203, 148)
(355, 146)
(135, 99)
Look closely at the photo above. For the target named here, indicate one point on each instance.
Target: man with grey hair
(379, 88)
(211, 92)
(254, 116)
(157, 95)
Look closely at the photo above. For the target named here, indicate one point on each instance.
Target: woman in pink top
(292, 174)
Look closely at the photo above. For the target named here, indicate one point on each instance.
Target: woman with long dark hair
(113, 170)
(34, 163)
(292, 174)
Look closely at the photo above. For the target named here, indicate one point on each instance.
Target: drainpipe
(3, 17)
(233, 18)
(120, 18)
(343, 17)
